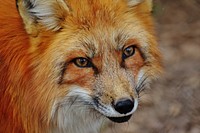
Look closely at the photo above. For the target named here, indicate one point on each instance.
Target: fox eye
(127, 52)
(82, 62)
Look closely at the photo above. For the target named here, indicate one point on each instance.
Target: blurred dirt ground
(172, 105)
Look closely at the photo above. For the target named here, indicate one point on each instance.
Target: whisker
(143, 87)
(141, 84)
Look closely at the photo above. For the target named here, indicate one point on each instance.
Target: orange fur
(32, 59)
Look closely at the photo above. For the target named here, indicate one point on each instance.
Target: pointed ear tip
(135, 2)
(148, 4)
(49, 16)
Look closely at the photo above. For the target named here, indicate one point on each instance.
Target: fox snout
(120, 109)
(124, 106)
(116, 97)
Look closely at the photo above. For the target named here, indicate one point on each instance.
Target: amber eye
(82, 62)
(127, 52)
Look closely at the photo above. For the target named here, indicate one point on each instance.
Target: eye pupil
(129, 51)
(81, 62)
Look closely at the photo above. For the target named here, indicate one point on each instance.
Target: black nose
(124, 106)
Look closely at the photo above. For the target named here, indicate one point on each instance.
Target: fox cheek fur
(66, 65)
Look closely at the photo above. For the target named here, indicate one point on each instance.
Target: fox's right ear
(48, 14)
(144, 5)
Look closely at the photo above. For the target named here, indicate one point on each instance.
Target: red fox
(68, 65)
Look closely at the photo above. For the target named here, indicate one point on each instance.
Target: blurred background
(172, 105)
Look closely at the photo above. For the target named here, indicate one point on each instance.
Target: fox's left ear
(144, 5)
(37, 14)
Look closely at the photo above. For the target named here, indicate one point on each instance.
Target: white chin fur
(77, 113)
(74, 116)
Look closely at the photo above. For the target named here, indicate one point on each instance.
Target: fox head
(89, 56)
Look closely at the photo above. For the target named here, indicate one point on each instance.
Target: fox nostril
(124, 106)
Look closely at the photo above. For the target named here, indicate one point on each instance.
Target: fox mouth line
(109, 112)
(120, 119)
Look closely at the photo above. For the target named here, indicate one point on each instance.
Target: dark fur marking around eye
(62, 73)
(63, 67)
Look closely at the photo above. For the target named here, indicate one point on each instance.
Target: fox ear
(46, 13)
(144, 5)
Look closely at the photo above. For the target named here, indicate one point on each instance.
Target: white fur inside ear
(44, 14)
(49, 13)
(134, 2)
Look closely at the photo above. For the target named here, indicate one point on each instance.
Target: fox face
(89, 61)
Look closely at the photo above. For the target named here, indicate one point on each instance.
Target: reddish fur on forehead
(87, 13)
